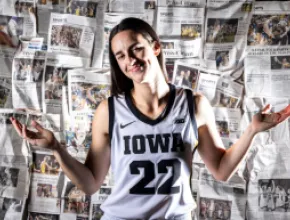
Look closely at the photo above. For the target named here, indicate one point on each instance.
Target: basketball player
(147, 132)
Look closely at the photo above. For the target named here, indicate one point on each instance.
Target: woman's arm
(89, 176)
(222, 163)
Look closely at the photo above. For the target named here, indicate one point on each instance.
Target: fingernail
(11, 118)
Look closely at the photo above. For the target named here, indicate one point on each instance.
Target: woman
(147, 132)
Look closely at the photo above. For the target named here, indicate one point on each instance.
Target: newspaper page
(5, 92)
(14, 181)
(185, 75)
(207, 83)
(12, 30)
(101, 47)
(44, 10)
(183, 24)
(221, 200)
(46, 184)
(228, 93)
(75, 203)
(12, 208)
(266, 71)
(269, 182)
(86, 90)
(226, 36)
(170, 64)
(147, 8)
(178, 48)
(12, 147)
(78, 135)
(181, 3)
(97, 200)
(27, 74)
(228, 124)
(71, 35)
(55, 76)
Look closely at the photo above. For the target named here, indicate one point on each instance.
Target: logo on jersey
(179, 121)
(125, 125)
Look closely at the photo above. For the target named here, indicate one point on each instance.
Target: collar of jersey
(146, 119)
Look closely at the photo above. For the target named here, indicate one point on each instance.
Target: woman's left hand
(265, 120)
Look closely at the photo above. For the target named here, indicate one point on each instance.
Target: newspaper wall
(245, 44)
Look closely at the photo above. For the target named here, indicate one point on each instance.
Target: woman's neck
(151, 97)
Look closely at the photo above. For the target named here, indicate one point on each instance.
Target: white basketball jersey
(151, 159)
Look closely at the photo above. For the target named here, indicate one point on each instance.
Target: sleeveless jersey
(151, 159)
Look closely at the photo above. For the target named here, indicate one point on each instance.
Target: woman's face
(136, 57)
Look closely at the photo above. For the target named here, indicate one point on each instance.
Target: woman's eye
(120, 57)
(138, 48)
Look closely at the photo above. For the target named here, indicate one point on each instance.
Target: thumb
(37, 126)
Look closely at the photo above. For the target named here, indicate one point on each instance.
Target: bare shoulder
(101, 117)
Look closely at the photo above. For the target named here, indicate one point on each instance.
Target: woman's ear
(156, 48)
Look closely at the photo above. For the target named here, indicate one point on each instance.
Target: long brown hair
(119, 82)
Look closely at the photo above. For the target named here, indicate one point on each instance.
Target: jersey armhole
(191, 109)
(111, 116)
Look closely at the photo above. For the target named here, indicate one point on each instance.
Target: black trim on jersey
(111, 116)
(146, 119)
(191, 107)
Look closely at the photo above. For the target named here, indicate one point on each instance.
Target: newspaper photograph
(55, 76)
(97, 212)
(11, 208)
(38, 215)
(44, 163)
(221, 200)
(75, 201)
(266, 72)
(14, 181)
(83, 8)
(71, 35)
(185, 75)
(5, 94)
(269, 186)
(86, 90)
(226, 36)
(269, 28)
(27, 73)
(45, 191)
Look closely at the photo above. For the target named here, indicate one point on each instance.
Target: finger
(16, 124)
(37, 126)
(266, 109)
(24, 133)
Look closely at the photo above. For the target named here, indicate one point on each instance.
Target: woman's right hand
(42, 138)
